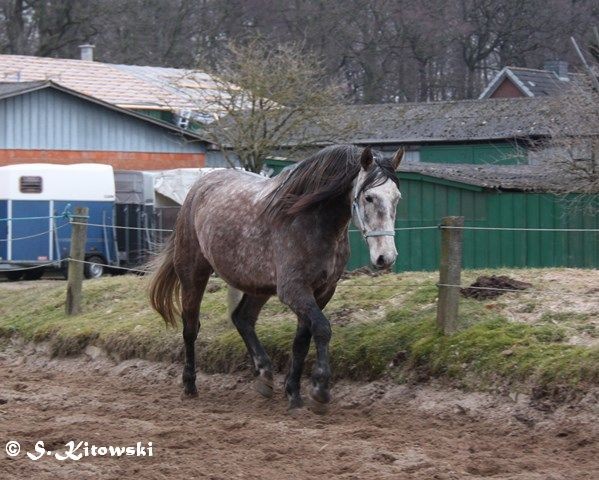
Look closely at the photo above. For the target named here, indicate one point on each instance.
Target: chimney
(559, 67)
(87, 52)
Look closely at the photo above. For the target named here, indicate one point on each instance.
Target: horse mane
(326, 175)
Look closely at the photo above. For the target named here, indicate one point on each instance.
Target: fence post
(450, 270)
(75, 272)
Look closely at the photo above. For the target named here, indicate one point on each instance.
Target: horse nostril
(380, 262)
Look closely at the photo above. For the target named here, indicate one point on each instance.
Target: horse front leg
(301, 345)
(321, 373)
(312, 320)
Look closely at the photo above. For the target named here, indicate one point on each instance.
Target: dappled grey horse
(286, 236)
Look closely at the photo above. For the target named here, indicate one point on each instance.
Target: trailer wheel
(95, 269)
(34, 274)
(14, 275)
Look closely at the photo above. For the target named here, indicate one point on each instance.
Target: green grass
(388, 330)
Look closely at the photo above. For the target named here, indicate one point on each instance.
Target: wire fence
(55, 263)
(151, 229)
(67, 215)
(341, 283)
(136, 270)
(26, 237)
(521, 229)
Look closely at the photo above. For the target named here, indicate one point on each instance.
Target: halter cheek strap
(365, 233)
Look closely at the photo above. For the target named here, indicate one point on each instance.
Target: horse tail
(164, 289)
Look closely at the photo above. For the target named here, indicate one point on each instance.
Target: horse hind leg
(192, 291)
(244, 318)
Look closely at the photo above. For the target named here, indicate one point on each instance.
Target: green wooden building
(487, 160)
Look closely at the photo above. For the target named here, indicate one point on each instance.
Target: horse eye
(368, 198)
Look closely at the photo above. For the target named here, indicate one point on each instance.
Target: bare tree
(574, 143)
(379, 50)
(267, 97)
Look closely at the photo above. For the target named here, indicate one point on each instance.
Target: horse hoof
(295, 402)
(264, 387)
(320, 394)
(189, 395)
(317, 407)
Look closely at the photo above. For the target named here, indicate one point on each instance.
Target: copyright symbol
(13, 448)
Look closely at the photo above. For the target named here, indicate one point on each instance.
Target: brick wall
(507, 89)
(119, 160)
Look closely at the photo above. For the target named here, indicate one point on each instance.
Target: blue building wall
(54, 120)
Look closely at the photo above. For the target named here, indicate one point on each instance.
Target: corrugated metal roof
(18, 88)
(521, 177)
(127, 86)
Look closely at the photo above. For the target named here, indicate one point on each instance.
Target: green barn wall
(425, 203)
(503, 153)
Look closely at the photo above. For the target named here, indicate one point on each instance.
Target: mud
(372, 431)
(486, 285)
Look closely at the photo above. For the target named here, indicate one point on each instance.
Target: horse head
(375, 196)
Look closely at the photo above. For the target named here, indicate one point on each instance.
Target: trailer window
(30, 184)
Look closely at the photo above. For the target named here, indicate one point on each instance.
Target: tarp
(175, 184)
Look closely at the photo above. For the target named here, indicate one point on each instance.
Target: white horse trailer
(33, 229)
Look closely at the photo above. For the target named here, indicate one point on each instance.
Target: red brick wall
(507, 89)
(119, 160)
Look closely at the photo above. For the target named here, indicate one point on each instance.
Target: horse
(284, 236)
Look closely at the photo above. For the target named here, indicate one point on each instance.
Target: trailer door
(38, 246)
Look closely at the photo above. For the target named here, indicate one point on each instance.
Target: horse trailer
(140, 230)
(35, 231)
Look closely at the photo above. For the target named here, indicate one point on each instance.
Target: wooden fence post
(450, 272)
(75, 272)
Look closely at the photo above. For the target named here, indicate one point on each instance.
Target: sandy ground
(373, 431)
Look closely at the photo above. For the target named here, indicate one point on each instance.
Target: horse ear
(366, 159)
(398, 157)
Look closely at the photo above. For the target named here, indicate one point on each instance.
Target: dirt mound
(502, 283)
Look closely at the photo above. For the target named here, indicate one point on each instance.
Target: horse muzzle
(383, 262)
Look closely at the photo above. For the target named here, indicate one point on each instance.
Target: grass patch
(390, 331)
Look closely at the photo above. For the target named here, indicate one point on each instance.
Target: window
(30, 184)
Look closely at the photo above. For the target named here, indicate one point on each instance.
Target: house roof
(14, 89)
(127, 86)
(517, 177)
(531, 82)
(539, 178)
(18, 88)
(464, 120)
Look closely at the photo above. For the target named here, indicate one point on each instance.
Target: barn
(486, 160)
(45, 122)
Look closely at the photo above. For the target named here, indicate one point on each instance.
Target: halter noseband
(365, 233)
